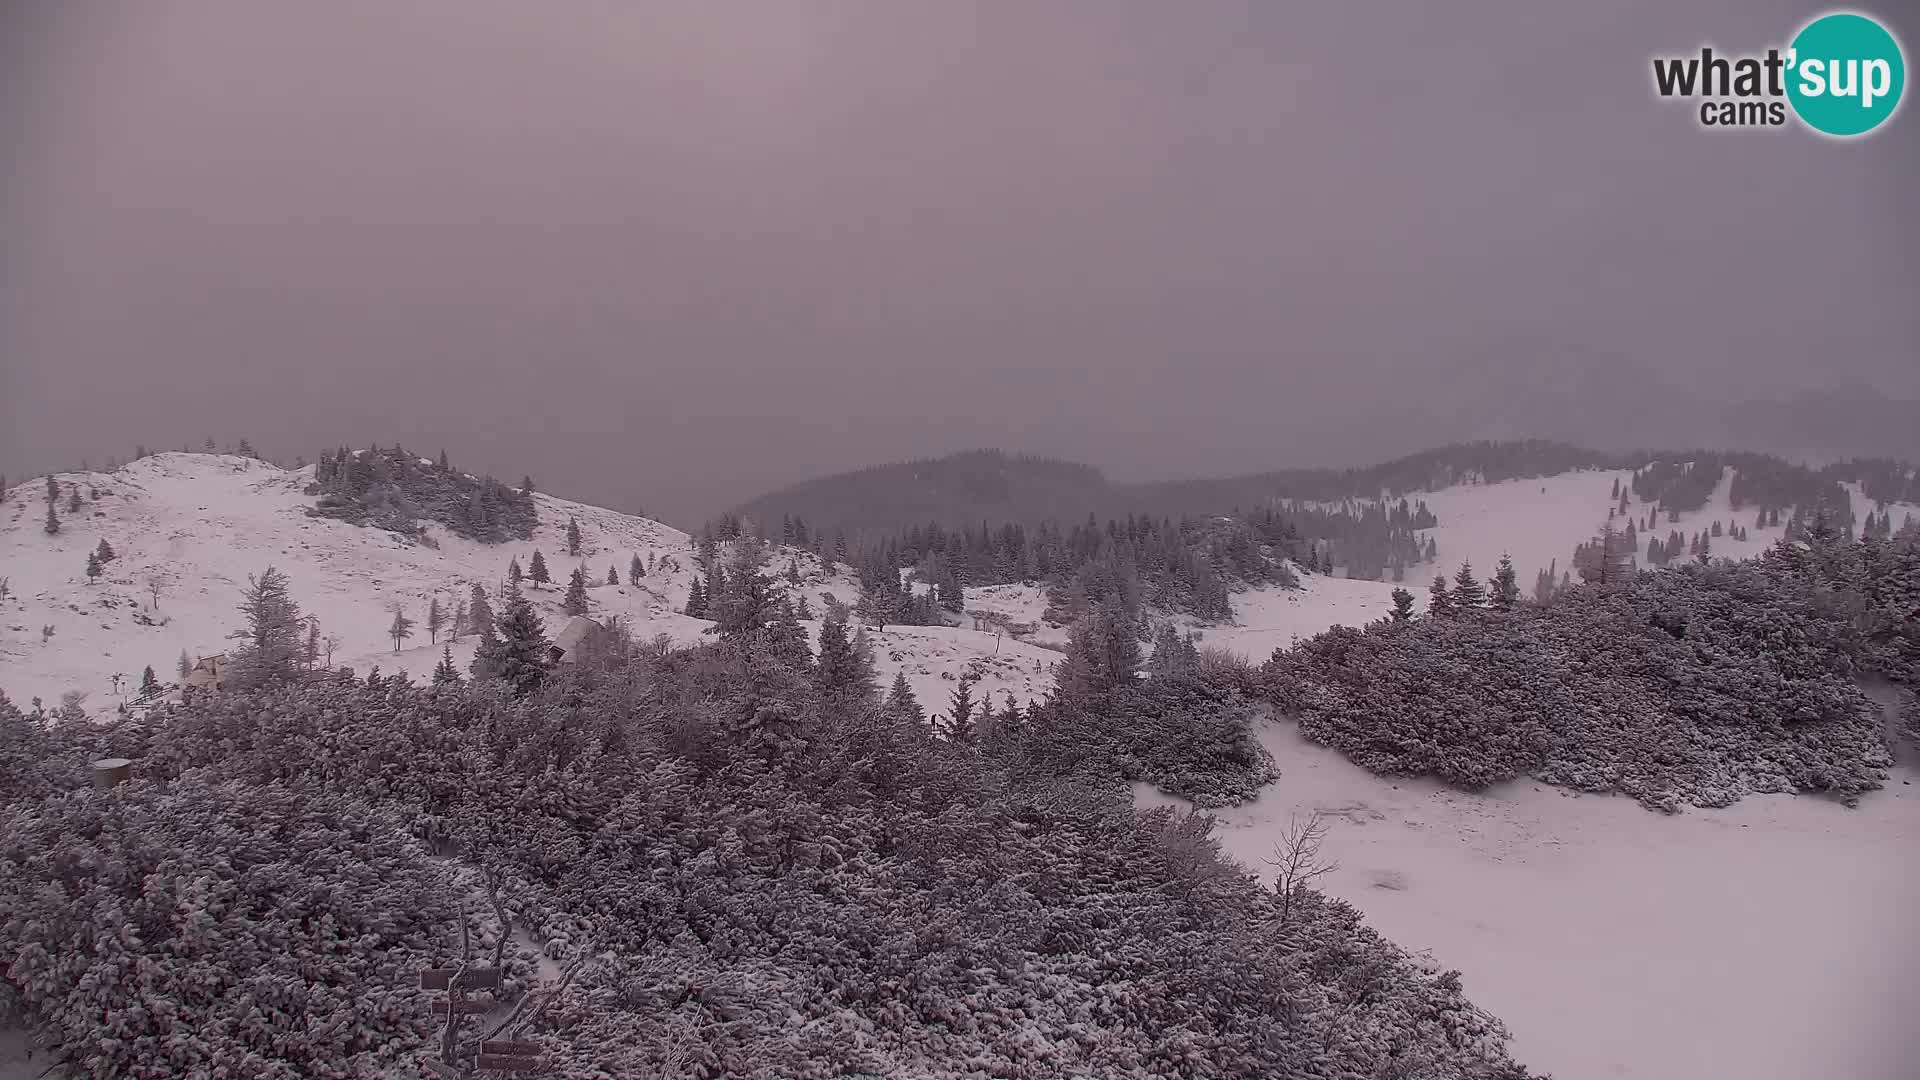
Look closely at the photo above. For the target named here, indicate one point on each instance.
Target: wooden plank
(474, 979)
(440, 1007)
(431, 1067)
(510, 1047)
(503, 1063)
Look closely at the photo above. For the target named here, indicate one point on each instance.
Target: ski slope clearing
(1770, 940)
(199, 524)
(1540, 521)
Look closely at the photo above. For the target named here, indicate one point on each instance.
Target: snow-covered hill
(199, 524)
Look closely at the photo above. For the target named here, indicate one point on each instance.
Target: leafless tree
(327, 645)
(1296, 859)
(154, 585)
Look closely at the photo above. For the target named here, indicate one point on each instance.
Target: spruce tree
(576, 600)
(270, 642)
(514, 574)
(842, 677)
(105, 551)
(1468, 593)
(444, 672)
(518, 652)
(636, 570)
(901, 706)
(436, 618)
(538, 570)
(1402, 606)
(480, 613)
(149, 682)
(573, 538)
(961, 724)
(696, 606)
(458, 624)
(401, 628)
(73, 501)
(93, 567)
(53, 520)
(1505, 595)
(184, 665)
(613, 576)
(1439, 600)
(1102, 652)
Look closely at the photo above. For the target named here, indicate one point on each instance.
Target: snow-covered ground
(1540, 521)
(1770, 940)
(201, 523)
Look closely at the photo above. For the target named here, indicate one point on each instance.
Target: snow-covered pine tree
(635, 570)
(1468, 593)
(613, 576)
(436, 618)
(901, 706)
(444, 672)
(962, 726)
(149, 682)
(576, 599)
(1402, 606)
(270, 646)
(696, 606)
(517, 653)
(573, 538)
(401, 628)
(480, 612)
(514, 574)
(1439, 600)
(537, 571)
(842, 677)
(105, 551)
(1505, 594)
(52, 525)
(93, 567)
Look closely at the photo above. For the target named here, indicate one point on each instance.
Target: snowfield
(1770, 940)
(200, 523)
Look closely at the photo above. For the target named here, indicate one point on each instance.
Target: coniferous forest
(394, 490)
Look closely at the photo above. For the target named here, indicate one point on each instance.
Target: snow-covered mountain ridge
(198, 524)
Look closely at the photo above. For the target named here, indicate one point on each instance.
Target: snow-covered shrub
(1694, 686)
(865, 900)
(218, 927)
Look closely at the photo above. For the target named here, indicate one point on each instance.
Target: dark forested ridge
(999, 488)
(958, 489)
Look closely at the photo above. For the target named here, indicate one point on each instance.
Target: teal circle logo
(1845, 74)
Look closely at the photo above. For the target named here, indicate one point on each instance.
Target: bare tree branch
(1296, 859)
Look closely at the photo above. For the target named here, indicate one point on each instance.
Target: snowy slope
(201, 523)
(1768, 940)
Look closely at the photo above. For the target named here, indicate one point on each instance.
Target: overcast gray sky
(673, 254)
